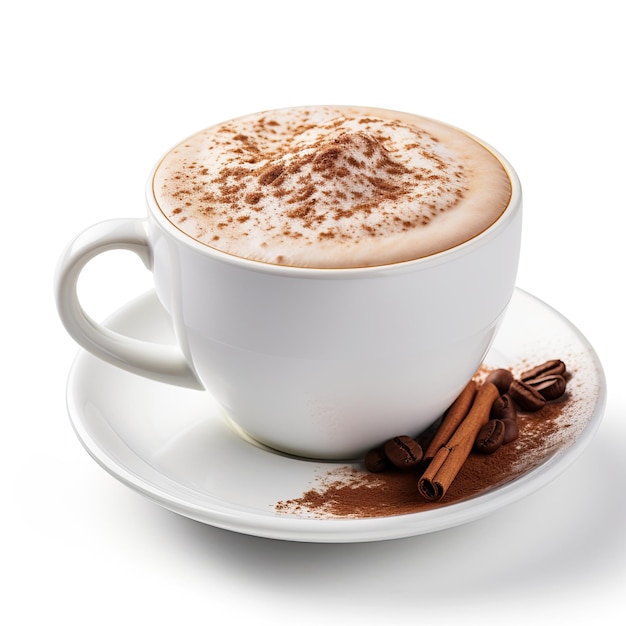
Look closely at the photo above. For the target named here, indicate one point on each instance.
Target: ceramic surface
(321, 353)
(175, 446)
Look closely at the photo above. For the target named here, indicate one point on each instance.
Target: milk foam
(331, 187)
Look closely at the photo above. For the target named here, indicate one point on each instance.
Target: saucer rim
(233, 517)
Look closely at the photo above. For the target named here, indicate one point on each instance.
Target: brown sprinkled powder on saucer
(352, 492)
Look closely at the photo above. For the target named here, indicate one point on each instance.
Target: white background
(94, 94)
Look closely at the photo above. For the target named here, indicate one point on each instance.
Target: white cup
(322, 363)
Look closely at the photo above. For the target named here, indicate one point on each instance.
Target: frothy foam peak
(330, 187)
(323, 183)
(353, 166)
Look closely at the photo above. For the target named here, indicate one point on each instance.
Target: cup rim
(508, 214)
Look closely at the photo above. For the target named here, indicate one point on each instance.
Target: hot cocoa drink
(328, 271)
(331, 187)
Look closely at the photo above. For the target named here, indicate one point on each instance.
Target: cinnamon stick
(449, 459)
(451, 420)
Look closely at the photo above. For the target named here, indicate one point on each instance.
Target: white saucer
(176, 447)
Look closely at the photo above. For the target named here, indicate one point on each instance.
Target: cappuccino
(331, 187)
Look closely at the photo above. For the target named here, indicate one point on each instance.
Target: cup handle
(161, 362)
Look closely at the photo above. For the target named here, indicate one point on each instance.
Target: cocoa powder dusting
(338, 178)
(352, 492)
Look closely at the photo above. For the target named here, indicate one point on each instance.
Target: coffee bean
(503, 408)
(511, 430)
(376, 461)
(403, 452)
(527, 398)
(555, 366)
(501, 378)
(550, 387)
(490, 437)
